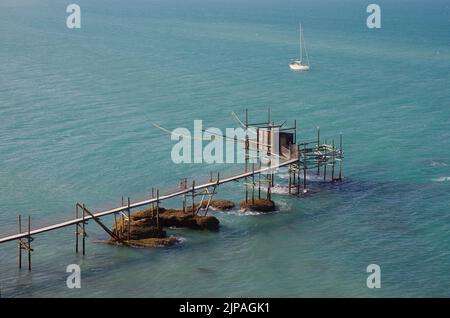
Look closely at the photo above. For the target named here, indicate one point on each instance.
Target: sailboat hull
(298, 67)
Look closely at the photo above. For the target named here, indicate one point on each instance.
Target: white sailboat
(300, 65)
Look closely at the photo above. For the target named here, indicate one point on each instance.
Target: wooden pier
(298, 158)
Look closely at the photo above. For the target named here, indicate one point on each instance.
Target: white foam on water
(279, 189)
(283, 206)
(442, 179)
(438, 164)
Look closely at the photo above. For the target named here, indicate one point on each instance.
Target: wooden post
(157, 208)
(29, 243)
(77, 232)
(340, 157)
(84, 232)
(318, 143)
(122, 225)
(153, 204)
(304, 169)
(193, 196)
(19, 245)
(253, 183)
(325, 163)
(257, 143)
(129, 219)
(332, 160)
(246, 140)
(116, 230)
(289, 179)
(259, 185)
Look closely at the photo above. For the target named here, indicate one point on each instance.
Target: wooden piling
(19, 245)
(289, 179)
(318, 149)
(129, 218)
(340, 156)
(304, 169)
(325, 166)
(332, 160)
(29, 243)
(259, 185)
(153, 204)
(157, 208)
(84, 232)
(116, 231)
(299, 167)
(77, 232)
(193, 196)
(253, 183)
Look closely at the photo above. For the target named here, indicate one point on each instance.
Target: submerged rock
(259, 205)
(144, 223)
(222, 205)
(154, 242)
(148, 242)
(178, 218)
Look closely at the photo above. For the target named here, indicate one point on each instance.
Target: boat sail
(300, 65)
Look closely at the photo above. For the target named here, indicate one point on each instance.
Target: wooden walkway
(146, 202)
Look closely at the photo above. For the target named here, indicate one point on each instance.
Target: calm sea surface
(76, 108)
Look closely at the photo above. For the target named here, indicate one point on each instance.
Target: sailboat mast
(301, 51)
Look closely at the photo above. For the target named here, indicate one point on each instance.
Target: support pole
(77, 232)
(332, 160)
(259, 185)
(193, 197)
(153, 204)
(157, 208)
(325, 168)
(289, 179)
(253, 183)
(84, 232)
(19, 245)
(115, 226)
(340, 157)
(25, 246)
(304, 169)
(29, 243)
(129, 218)
(299, 166)
(257, 144)
(318, 149)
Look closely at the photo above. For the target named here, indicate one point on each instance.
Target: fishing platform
(277, 143)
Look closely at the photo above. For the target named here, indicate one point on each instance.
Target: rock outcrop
(144, 231)
(259, 205)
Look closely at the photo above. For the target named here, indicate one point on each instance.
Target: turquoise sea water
(76, 108)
